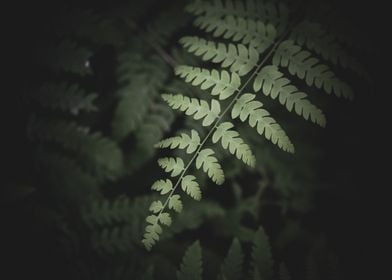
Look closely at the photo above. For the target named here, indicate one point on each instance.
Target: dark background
(355, 218)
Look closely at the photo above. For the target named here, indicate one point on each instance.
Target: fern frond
(239, 58)
(267, 11)
(153, 230)
(250, 32)
(184, 141)
(301, 64)
(321, 41)
(193, 106)
(66, 97)
(210, 165)
(261, 256)
(162, 186)
(101, 156)
(224, 84)
(191, 266)
(175, 203)
(141, 79)
(191, 187)
(173, 165)
(231, 141)
(247, 108)
(232, 265)
(273, 83)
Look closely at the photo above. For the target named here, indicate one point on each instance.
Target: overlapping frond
(274, 84)
(261, 256)
(267, 11)
(247, 31)
(303, 65)
(66, 97)
(191, 266)
(324, 43)
(233, 263)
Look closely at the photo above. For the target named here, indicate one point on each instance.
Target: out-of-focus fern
(66, 97)
(259, 55)
(234, 265)
(99, 155)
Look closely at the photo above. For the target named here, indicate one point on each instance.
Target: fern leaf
(261, 256)
(101, 155)
(246, 107)
(175, 203)
(193, 106)
(163, 186)
(268, 11)
(301, 64)
(239, 58)
(66, 97)
(191, 187)
(231, 141)
(191, 266)
(173, 165)
(191, 143)
(165, 219)
(232, 265)
(210, 165)
(153, 230)
(250, 32)
(283, 272)
(324, 43)
(156, 206)
(271, 80)
(224, 85)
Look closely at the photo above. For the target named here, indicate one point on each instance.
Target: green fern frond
(175, 203)
(239, 58)
(191, 266)
(66, 97)
(191, 187)
(267, 11)
(224, 84)
(163, 186)
(321, 41)
(262, 262)
(184, 141)
(231, 141)
(210, 165)
(173, 165)
(193, 106)
(101, 156)
(247, 108)
(233, 263)
(303, 65)
(247, 31)
(141, 78)
(153, 230)
(274, 84)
